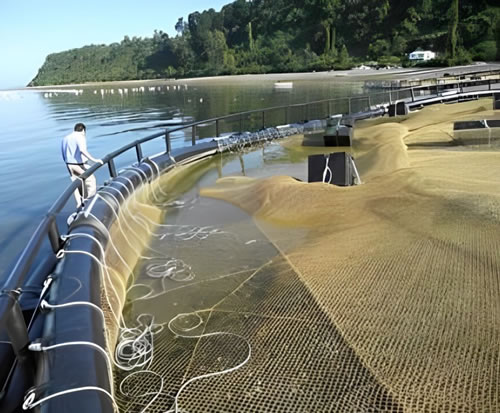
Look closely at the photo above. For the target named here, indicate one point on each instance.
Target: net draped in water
(271, 294)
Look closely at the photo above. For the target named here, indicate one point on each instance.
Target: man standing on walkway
(75, 155)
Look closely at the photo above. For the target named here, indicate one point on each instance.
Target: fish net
(271, 294)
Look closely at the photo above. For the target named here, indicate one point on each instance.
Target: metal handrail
(48, 225)
(11, 316)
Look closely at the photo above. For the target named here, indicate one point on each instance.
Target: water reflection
(229, 271)
(33, 123)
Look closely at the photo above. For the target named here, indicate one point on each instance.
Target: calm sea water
(33, 123)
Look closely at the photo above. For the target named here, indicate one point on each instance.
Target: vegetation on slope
(262, 36)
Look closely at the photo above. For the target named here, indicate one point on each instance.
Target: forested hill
(288, 36)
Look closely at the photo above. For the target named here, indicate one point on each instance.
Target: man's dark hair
(80, 127)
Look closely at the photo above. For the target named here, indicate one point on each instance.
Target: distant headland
(288, 37)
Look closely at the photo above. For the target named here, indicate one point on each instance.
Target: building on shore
(422, 55)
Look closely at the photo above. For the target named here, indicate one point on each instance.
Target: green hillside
(263, 36)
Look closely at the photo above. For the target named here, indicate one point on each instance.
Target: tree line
(263, 36)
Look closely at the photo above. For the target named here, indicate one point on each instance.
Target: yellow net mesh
(128, 235)
(406, 266)
(382, 297)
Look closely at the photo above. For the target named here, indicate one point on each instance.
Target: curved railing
(316, 109)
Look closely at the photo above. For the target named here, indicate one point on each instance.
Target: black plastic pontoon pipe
(13, 320)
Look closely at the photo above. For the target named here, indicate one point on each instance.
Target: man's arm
(85, 152)
(90, 157)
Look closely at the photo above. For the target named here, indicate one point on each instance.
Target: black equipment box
(342, 137)
(398, 109)
(496, 101)
(337, 168)
(468, 124)
(476, 124)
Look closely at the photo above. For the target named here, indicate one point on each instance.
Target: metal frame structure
(11, 318)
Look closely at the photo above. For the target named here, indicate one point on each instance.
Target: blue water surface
(33, 122)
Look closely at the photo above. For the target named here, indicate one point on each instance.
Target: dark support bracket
(167, 142)
(54, 235)
(12, 320)
(193, 135)
(138, 150)
(112, 168)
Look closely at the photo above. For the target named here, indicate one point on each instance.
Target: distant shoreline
(266, 77)
(327, 75)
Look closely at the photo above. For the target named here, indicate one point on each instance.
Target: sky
(32, 29)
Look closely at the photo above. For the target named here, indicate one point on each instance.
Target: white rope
(485, 122)
(30, 403)
(122, 184)
(178, 204)
(130, 229)
(358, 178)
(156, 393)
(134, 195)
(327, 171)
(80, 195)
(125, 203)
(127, 333)
(151, 295)
(136, 344)
(190, 233)
(200, 336)
(135, 347)
(46, 285)
(110, 240)
(169, 261)
(138, 220)
(40, 347)
(174, 269)
(46, 306)
(104, 271)
(145, 181)
(171, 268)
(187, 232)
(159, 174)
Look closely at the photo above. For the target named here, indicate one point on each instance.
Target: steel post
(168, 144)
(138, 151)
(112, 168)
(193, 135)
